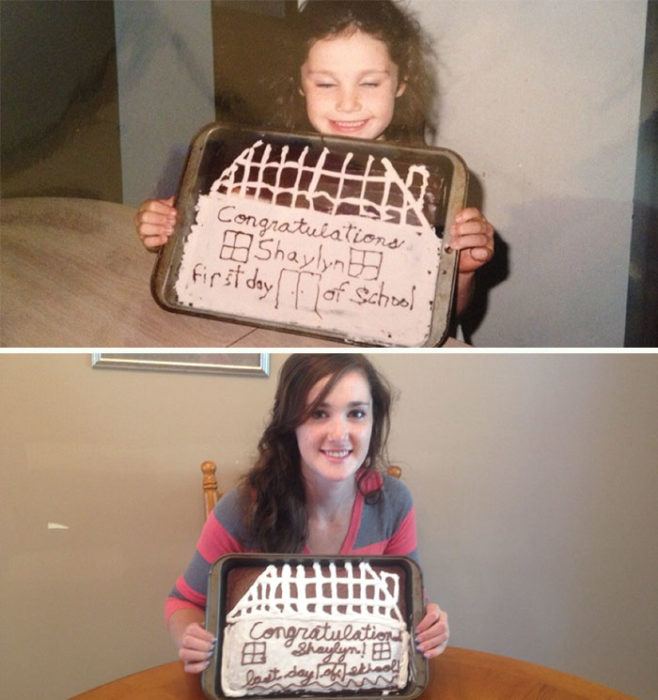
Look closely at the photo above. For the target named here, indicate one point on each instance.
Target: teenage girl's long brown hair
(273, 490)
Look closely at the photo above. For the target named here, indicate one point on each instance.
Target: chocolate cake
(315, 629)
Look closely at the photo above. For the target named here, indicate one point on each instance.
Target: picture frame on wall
(230, 363)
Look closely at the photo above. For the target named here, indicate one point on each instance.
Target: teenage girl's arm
(194, 643)
(186, 603)
(432, 632)
(471, 234)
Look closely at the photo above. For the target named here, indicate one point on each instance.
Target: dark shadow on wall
(59, 100)
(489, 276)
(247, 40)
(642, 306)
(642, 303)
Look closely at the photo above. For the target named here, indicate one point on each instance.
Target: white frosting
(298, 630)
(271, 244)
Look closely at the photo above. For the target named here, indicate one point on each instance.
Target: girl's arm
(194, 643)
(432, 632)
(473, 236)
(154, 221)
(185, 606)
(464, 291)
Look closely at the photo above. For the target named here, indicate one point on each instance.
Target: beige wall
(534, 477)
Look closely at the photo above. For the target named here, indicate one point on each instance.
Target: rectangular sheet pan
(245, 567)
(369, 282)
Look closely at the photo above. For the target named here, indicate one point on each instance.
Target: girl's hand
(197, 646)
(472, 234)
(155, 221)
(432, 633)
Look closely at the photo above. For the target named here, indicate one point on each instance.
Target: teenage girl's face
(334, 440)
(350, 85)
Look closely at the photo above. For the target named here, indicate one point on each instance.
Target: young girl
(358, 69)
(316, 488)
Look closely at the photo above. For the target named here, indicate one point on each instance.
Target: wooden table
(74, 274)
(458, 674)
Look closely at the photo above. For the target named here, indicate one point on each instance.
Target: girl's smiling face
(350, 85)
(334, 440)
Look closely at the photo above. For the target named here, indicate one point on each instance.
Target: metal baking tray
(376, 286)
(232, 574)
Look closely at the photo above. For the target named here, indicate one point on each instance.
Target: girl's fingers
(482, 254)
(473, 227)
(476, 247)
(194, 662)
(194, 655)
(474, 236)
(154, 240)
(158, 206)
(147, 219)
(432, 633)
(198, 636)
(196, 667)
(471, 240)
(468, 214)
(431, 617)
(197, 648)
(436, 650)
(152, 216)
(155, 227)
(155, 221)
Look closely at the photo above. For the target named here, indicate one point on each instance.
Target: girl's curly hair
(385, 20)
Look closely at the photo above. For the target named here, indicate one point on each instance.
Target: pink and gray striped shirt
(387, 526)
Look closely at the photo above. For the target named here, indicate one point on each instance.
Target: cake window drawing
(301, 629)
(325, 182)
(307, 237)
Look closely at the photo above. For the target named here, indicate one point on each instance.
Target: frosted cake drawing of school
(309, 238)
(319, 629)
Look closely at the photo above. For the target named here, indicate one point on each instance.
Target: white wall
(534, 477)
(166, 89)
(541, 97)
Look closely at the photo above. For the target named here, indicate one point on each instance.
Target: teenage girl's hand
(432, 633)
(197, 646)
(473, 235)
(155, 221)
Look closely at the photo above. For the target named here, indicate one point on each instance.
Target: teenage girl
(358, 69)
(317, 487)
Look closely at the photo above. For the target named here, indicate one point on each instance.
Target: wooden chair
(211, 493)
